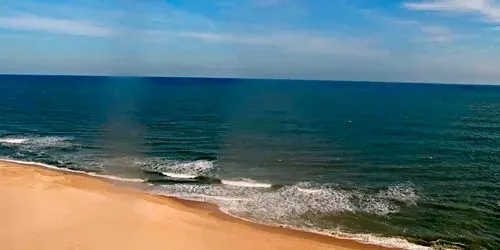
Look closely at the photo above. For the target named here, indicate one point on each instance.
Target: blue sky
(380, 40)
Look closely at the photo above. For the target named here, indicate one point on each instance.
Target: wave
(180, 176)
(195, 180)
(291, 203)
(247, 183)
(390, 242)
(405, 193)
(37, 143)
(13, 140)
(271, 201)
(202, 179)
(115, 178)
(287, 206)
(254, 201)
(212, 199)
(274, 201)
(182, 169)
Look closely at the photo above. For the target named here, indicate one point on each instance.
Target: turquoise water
(385, 163)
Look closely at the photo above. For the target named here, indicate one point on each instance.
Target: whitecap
(246, 183)
(37, 142)
(213, 199)
(13, 140)
(405, 193)
(180, 176)
(176, 169)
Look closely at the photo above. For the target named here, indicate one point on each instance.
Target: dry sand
(49, 209)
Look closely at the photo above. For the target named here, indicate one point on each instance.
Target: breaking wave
(176, 169)
(13, 140)
(292, 202)
(32, 143)
(294, 205)
(247, 183)
(174, 178)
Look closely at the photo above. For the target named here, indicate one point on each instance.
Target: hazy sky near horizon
(380, 40)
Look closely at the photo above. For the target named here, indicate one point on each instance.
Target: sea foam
(34, 143)
(103, 176)
(180, 176)
(286, 207)
(176, 169)
(246, 183)
(13, 140)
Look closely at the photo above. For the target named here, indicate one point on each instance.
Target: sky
(442, 41)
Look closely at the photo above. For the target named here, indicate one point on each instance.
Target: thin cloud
(225, 38)
(29, 22)
(292, 42)
(438, 34)
(487, 9)
(431, 32)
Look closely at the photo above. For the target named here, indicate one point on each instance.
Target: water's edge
(364, 239)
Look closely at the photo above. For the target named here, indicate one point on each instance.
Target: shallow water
(373, 161)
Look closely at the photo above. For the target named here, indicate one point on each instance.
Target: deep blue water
(413, 161)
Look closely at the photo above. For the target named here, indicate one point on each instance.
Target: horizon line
(252, 78)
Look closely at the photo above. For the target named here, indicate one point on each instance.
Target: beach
(49, 209)
(372, 163)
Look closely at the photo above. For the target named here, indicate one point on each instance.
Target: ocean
(409, 165)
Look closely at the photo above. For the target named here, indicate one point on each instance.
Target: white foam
(309, 191)
(170, 168)
(176, 169)
(190, 168)
(289, 203)
(110, 177)
(287, 206)
(247, 183)
(390, 242)
(180, 176)
(36, 142)
(13, 140)
(187, 190)
(401, 192)
(115, 178)
(212, 199)
(42, 165)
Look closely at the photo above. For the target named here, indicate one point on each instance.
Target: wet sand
(49, 209)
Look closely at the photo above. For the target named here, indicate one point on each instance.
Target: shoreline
(201, 211)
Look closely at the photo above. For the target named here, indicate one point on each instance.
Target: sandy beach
(48, 209)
